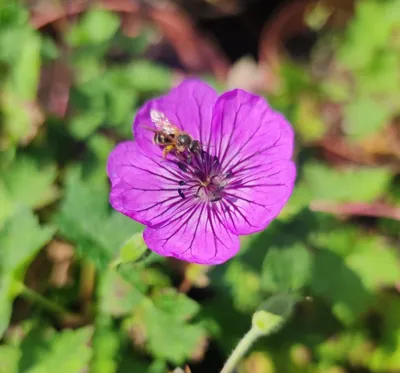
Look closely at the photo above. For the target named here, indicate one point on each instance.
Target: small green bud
(132, 251)
(273, 313)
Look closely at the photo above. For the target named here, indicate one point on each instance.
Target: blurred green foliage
(114, 313)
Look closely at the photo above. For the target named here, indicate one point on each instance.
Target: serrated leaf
(20, 240)
(170, 339)
(28, 184)
(95, 27)
(358, 184)
(178, 304)
(85, 219)
(165, 323)
(83, 125)
(286, 269)
(69, 353)
(117, 296)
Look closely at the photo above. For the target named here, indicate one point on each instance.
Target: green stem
(47, 303)
(243, 346)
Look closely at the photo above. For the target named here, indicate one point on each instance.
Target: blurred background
(72, 297)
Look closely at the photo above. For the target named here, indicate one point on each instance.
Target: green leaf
(68, 353)
(164, 322)
(26, 70)
(117, 296)
(375, 263)
(95, 27)
(9, 357)
(169, 338)
(133, 250)
(335, 281)
(365, 116)
(386, 356)
(106, 343)
(358, 184)
(246, 293)
(28, 184)
(178, 304)
(286, 269)
(148, 77)
(363, 39)
(350, 345)
(83, 125)
(20, 240)
(85, 219)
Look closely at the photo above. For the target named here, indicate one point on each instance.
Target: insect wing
(162, 123)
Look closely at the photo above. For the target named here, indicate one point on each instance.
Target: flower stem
(240, 350)
(48, 304)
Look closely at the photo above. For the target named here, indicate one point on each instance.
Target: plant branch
(240, 350)
(49, 305)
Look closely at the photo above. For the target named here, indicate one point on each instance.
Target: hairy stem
(240, 350)
(47, 304)
(87, 284)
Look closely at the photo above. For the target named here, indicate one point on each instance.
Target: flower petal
(189, 107)
(245, 127)
(254, 198)
(143, 187)
(197, 235)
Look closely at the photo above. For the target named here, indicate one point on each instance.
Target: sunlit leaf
(286, 269)
(9, 357)
(20, 240)
(353, 184)
(69, 353)
(86, 220)
(364, 116)
(96, 26)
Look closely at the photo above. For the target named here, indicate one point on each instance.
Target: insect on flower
(196, 210)
(171, 138)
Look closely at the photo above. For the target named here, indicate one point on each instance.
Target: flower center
(203, 178)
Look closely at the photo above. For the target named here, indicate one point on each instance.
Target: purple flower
(195, 211)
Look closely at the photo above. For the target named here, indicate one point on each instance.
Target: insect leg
(167, 149)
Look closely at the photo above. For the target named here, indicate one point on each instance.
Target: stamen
(216, 199)
(181, 193)
(181, 182)
(182, 167)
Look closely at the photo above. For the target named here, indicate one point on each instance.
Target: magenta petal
(245, 126)
(189, 106)
(197, 235)
(194, 209)
(141, 187)
(255, 199)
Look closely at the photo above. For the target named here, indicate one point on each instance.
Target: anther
(215, 161)
(181, 193)
(182, 167)
(181, 182)
(216, 199)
